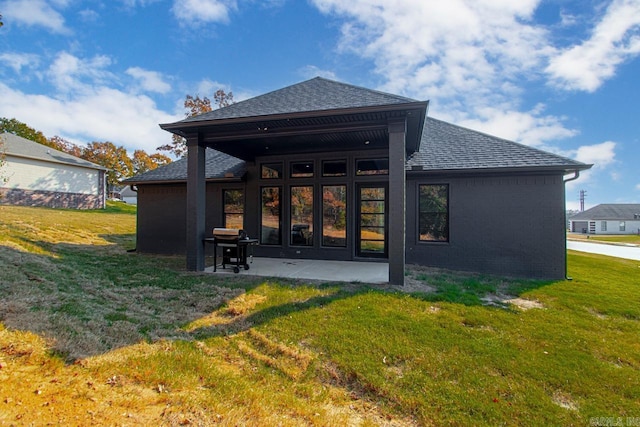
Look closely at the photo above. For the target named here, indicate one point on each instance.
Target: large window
(623, 226)
(302, 216)
(233, 208)
(334, 215)
(270, 216)
(433, 215)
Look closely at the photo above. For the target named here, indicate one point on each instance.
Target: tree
(196, 106)
(115, 159)
(143, 162)
(1, 23)
(16, 127)
(61, 144)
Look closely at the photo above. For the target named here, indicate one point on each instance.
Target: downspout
(576, 175)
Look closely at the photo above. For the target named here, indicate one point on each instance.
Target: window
(302, 170)
(233, 208)
(433, 215)
(302, 216)
(603, 225)
(270, 216)
(271, 171)
(334, 168)
(623, 226)
(372, 167)
(334, 215)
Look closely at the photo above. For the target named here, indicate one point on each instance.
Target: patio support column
(397, 200)
(196, 191)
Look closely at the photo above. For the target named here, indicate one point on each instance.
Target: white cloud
(615, 39)
(69, 73)
(190, 12)
(18, 61)
(102, 114)
(151, 81)
(35, 13)
(638, 186)
(601, 155)
(530, 127)
(90, 106)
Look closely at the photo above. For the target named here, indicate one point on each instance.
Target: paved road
(628, 252)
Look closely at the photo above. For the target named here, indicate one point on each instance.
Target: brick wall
(51, 199)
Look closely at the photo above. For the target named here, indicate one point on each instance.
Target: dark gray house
(328, 170)
(608, 218)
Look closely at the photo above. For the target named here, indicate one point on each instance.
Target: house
(607, 219)
(37, 175)
(128, 195)
(327, 170)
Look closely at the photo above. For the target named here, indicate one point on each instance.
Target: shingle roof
(317, 94)
(17, 146)
(620, 212)
(217, 166)
(446, 146)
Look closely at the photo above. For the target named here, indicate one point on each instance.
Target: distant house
(327, 170)
(38, 175)
(129, 195)
(607, 219)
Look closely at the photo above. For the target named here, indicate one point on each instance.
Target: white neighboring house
(607, 219)
(129, 195)
(38, 175)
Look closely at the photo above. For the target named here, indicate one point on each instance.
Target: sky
(559, 75)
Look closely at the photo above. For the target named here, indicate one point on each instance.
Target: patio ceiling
(306, 132)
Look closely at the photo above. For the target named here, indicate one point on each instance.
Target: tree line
(115, 158)
(107, 154)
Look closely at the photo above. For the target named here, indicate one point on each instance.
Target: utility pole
(583, 194)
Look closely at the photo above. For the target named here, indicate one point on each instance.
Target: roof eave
(183, 125)
(536, 169)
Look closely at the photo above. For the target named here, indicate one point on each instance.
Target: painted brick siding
(50, 199)
(500, 225)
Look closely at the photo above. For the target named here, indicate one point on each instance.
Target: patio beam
(397, 200)
(196, 198)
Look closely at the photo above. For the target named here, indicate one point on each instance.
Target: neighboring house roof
(17, 146)
(317, 94)
(614, 212)
(448, 147)
(217, 166)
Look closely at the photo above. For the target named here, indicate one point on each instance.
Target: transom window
(334, 168)
(433, 215)
(372, 167)
(302, 170)
(271, 171)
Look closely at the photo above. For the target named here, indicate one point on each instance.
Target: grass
(93, 334)
(612, 238)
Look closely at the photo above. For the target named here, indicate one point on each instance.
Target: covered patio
(315, 269)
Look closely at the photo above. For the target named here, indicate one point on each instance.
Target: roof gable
(610, 211)
(448, 147)
(17, 146)
(317, 94)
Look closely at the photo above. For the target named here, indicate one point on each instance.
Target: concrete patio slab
(313, 269)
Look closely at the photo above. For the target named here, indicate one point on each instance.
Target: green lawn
(93, 334)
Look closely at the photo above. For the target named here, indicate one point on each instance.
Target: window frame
(279, 230)
(224, 206)
(281, 171)
(420, 212)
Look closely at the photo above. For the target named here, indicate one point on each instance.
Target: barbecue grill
(234, 245)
